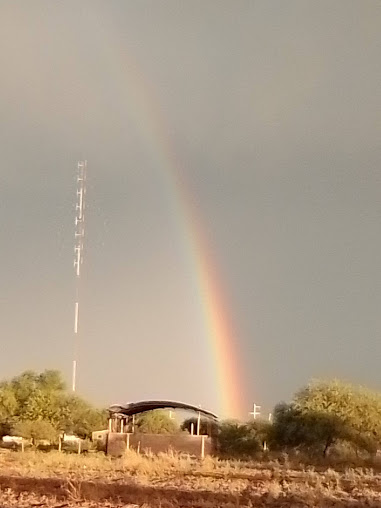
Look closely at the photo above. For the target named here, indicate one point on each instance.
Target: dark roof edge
(149, 405)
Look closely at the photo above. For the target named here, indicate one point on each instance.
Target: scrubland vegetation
(174, 480)
(38, 406)
(322, 450)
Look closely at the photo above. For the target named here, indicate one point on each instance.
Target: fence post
(202, 447)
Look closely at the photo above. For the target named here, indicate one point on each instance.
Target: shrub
(238, 440)
(36, 431)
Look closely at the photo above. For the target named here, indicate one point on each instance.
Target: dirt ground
(56, 492)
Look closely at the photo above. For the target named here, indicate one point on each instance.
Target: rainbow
(150, 122)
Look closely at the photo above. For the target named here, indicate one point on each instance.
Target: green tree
(239, 440)
(80, 418)
(324, 413)
(8, 402)
(45, 405)
(207, 426)
(51, 381)
(37, 395)
(314, 431)
(357, 408)
(156, 422)
(23, 387)
(32, 397)
(36, 431)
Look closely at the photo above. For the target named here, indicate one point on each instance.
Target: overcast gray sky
(273, 110)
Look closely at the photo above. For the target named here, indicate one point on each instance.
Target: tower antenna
(79, 236)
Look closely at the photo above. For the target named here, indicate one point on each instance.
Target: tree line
(38, 406)
(323, 417)
(320, 417)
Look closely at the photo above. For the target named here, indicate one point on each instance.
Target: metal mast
(79, 235)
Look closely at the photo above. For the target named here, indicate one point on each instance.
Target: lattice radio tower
(79, 236)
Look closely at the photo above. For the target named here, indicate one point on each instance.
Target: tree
(45, 405)
(156, 422)
(239, 440)
(324, 413)
(23, 387)
(38, 396)
(80, 418)
(207, 426)
(32, 397)
(357, 408)
(51, 381)
(8, 402)
(314, 431)
(36, 431)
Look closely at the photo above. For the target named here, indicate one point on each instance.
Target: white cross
(255, 411)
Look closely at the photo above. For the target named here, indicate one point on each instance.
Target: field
(59, 479)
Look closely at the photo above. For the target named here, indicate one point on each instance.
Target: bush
(36, 431)
(238, 440)
(207, 426)
(156, 422)
(324, 414)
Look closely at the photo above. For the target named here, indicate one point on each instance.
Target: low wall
(155, 443)
(116, 444)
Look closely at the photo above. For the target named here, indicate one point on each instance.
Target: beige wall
(155, 443)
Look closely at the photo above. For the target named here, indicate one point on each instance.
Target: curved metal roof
(149, 405)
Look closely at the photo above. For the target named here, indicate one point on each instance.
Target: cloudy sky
(269, 113)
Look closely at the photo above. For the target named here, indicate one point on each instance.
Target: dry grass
(247, 483)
